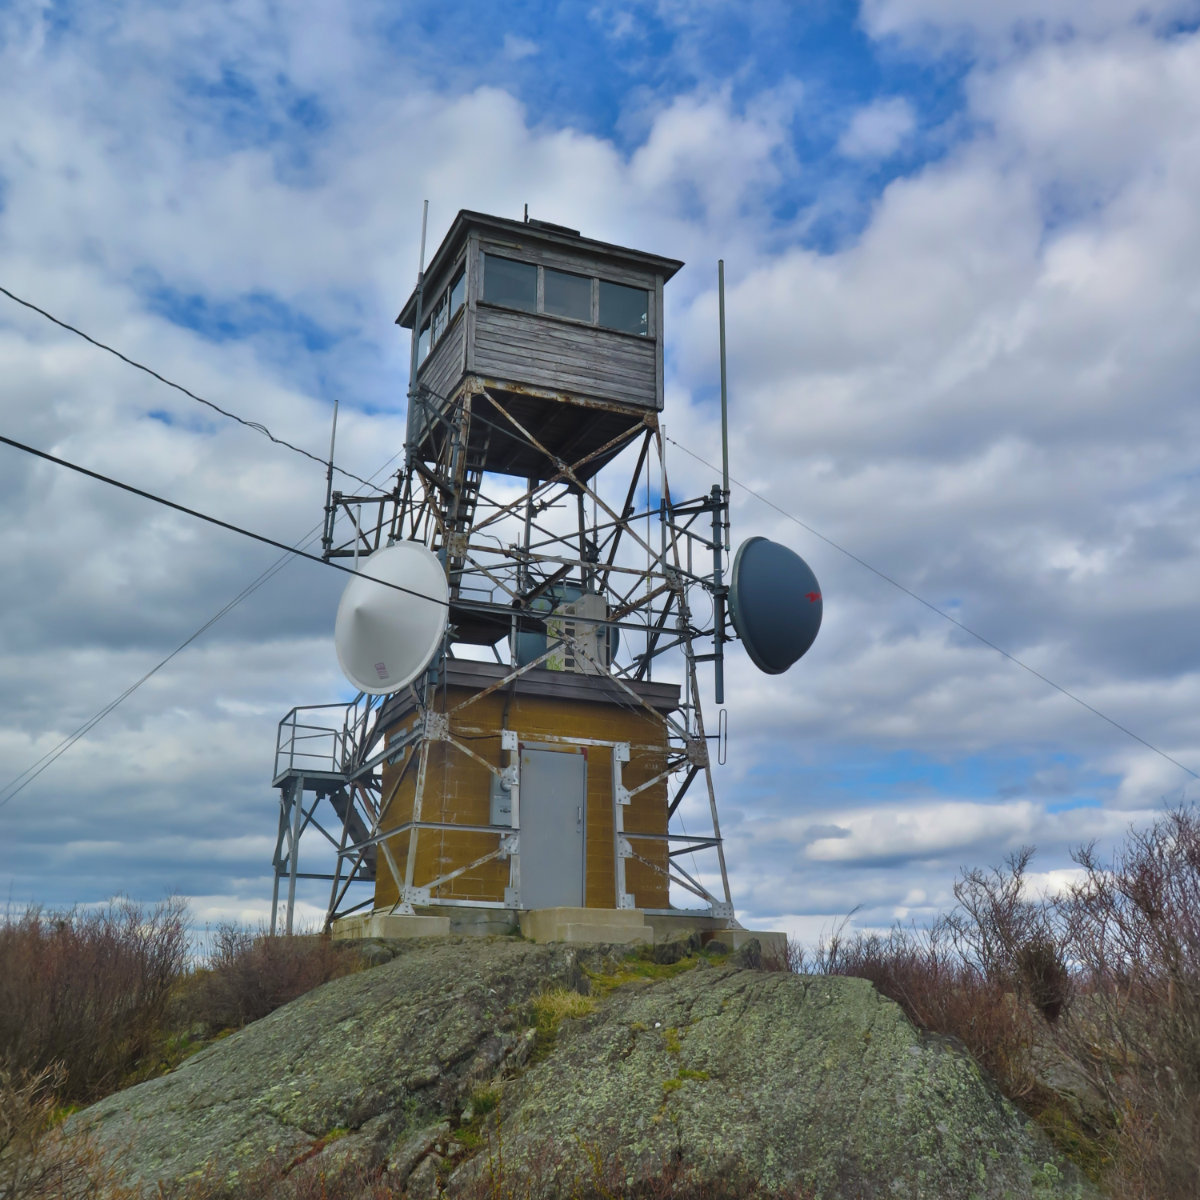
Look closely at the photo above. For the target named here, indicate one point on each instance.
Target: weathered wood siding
(442, 370)
(563, 356)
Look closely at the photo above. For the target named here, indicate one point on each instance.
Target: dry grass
(550, 1009)
(37, 1161)
(558, 1004)
(600, 1168)
(595, 1169)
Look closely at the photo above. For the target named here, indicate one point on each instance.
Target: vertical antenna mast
(413, 364)
(724, 401)
(327, 536)
(720, 510)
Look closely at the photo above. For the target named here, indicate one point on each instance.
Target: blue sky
(961, 255)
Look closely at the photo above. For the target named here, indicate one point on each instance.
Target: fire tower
(535, 614)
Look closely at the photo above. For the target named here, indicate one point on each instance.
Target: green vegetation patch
(550, 1009)
(483, 1102)
(559, 1004)
(639, 968)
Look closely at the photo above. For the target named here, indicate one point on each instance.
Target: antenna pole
(327, 537)
(720, 591)
(720, 507)
(418, 316)
(724, 400)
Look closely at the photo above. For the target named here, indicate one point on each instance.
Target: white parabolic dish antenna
(385, 638)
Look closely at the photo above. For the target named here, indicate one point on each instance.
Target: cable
(191, 512)
(19, 782)
(941, 613)
(180, 388)
(292, 550)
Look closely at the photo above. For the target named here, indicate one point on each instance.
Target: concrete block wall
(457, 788)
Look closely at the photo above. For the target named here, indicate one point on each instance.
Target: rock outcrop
(435, 1066)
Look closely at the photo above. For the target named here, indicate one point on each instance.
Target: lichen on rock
(804, 1085)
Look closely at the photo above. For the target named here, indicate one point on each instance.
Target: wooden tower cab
(562, 331)
(523, 784)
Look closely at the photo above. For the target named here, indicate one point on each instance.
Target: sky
(962, 256)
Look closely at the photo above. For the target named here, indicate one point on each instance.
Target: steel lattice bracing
(534, 468)
(509, 548)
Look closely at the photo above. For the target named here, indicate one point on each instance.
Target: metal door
(553, 819)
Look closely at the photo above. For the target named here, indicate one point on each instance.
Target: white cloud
(517, 48)
(1020, 21)
(987, 395)
(923, 831)
(1046, 885)
(879, 129)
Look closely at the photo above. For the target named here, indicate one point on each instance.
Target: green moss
(1091, 1152)
(634, 969)
(681, 1077)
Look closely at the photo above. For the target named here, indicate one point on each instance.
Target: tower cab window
(441, 313)
(566, 295)
(624, 308)
(514, 284)
(511, 283)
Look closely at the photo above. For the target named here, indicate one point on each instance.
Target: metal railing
(307, 740)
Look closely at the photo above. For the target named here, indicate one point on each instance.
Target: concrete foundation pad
(609, 926)
(774, 945)
(669, 927)
(390, 925)
(479, 922)
(617, 935)
(551, 925)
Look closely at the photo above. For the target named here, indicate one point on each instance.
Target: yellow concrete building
(549, 790)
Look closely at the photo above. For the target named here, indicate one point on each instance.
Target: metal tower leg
(297, 815)
(277, 862)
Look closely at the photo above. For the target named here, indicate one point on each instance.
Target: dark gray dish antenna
(775, 603)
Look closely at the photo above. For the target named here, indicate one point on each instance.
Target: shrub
(251, 974)
(1133, 929)
(1009, 938)
(37, 1162)
(924, 972)
(87, 992)
(791, 957)
(1096, 991)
